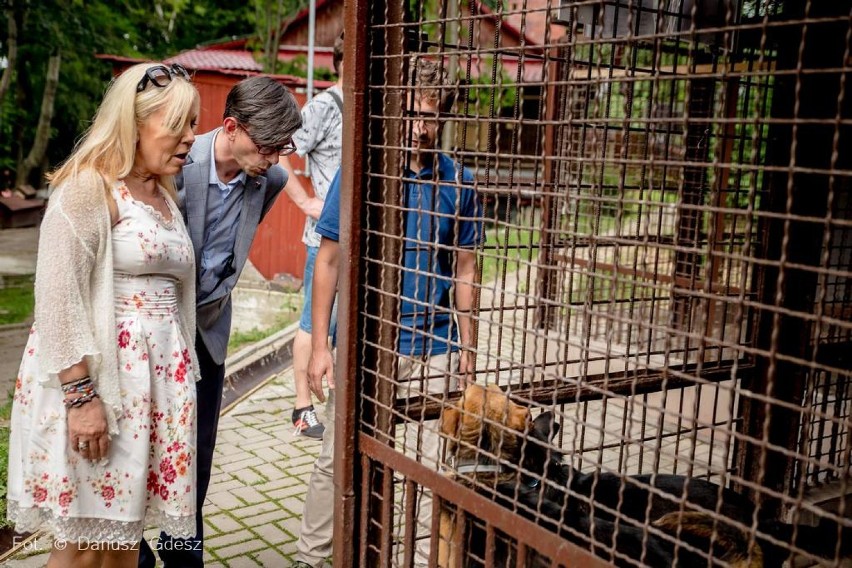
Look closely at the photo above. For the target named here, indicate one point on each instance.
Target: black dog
(660, 545)
(658, 498)
(486, 423)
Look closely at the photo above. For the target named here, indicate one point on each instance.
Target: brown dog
(479, 408)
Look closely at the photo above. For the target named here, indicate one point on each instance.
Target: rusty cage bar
(657, 197)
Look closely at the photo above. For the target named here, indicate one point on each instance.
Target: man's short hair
(337, 55)
(431, 83)
(266, 108)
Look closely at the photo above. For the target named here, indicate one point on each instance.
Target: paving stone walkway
(260, 476)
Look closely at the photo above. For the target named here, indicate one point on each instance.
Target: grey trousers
(422, 442)
(315, 534)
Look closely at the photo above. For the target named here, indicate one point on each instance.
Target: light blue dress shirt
(224, 204)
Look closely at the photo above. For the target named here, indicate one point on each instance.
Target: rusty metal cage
(657, 198)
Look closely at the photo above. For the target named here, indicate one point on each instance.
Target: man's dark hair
(337, 55)
(264, 107)
(431, 83)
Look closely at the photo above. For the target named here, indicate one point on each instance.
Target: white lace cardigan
(74, 298)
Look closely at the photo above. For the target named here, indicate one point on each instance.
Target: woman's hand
(88, 432)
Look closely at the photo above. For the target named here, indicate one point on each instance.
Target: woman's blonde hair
(109, 145)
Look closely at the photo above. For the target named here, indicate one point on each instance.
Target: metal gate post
(792, 238)
(349, 370)
(378, 366)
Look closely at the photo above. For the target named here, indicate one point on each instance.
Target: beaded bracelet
(81, 389)
(87, 394)
(76, 386)
(81, 400)
(85, 389)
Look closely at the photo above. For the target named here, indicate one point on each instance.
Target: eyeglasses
(284, 149)
(161, 76)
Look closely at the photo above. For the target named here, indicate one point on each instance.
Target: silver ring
(83, 446)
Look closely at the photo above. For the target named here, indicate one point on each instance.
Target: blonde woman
(103, 423)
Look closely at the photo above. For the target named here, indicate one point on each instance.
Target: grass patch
(506, 250)
(16, 299)
(5, 415)
(289, 314)
(242, 338)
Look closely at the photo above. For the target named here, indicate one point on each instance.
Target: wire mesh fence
(630, 219)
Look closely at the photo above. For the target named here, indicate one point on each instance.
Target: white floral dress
(149, 475)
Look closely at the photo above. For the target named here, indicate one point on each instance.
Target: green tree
(271, 20)
(35, 136)
(178, 25)
(55, 81)
(11, 51)
(298, 67)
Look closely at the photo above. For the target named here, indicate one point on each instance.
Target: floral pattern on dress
(149, 474)
(53, 487)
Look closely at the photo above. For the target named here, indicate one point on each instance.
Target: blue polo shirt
(328, 225)
(442, 213)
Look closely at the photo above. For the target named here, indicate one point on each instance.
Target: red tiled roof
(243, 60)
(216, 59)
(233, 43)
(189, 62)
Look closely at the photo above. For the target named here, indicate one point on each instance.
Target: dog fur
(486, 422)
(478, 408)
(653, 497)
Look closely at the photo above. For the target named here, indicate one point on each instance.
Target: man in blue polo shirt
(443, 226)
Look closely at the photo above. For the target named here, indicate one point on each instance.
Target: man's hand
(321, 365)
(313, 208)
(87, 430)
(467, 368)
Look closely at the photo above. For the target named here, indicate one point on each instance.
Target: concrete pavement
(18, 249)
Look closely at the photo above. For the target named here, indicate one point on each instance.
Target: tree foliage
(491, 96)
(77, 30)
(298, 67)
(271, 20)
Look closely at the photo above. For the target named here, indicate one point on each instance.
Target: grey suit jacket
(214, 313)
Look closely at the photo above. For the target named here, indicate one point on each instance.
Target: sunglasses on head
(284, 149)
(161, 76)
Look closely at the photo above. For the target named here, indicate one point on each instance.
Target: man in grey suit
(229, 183)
